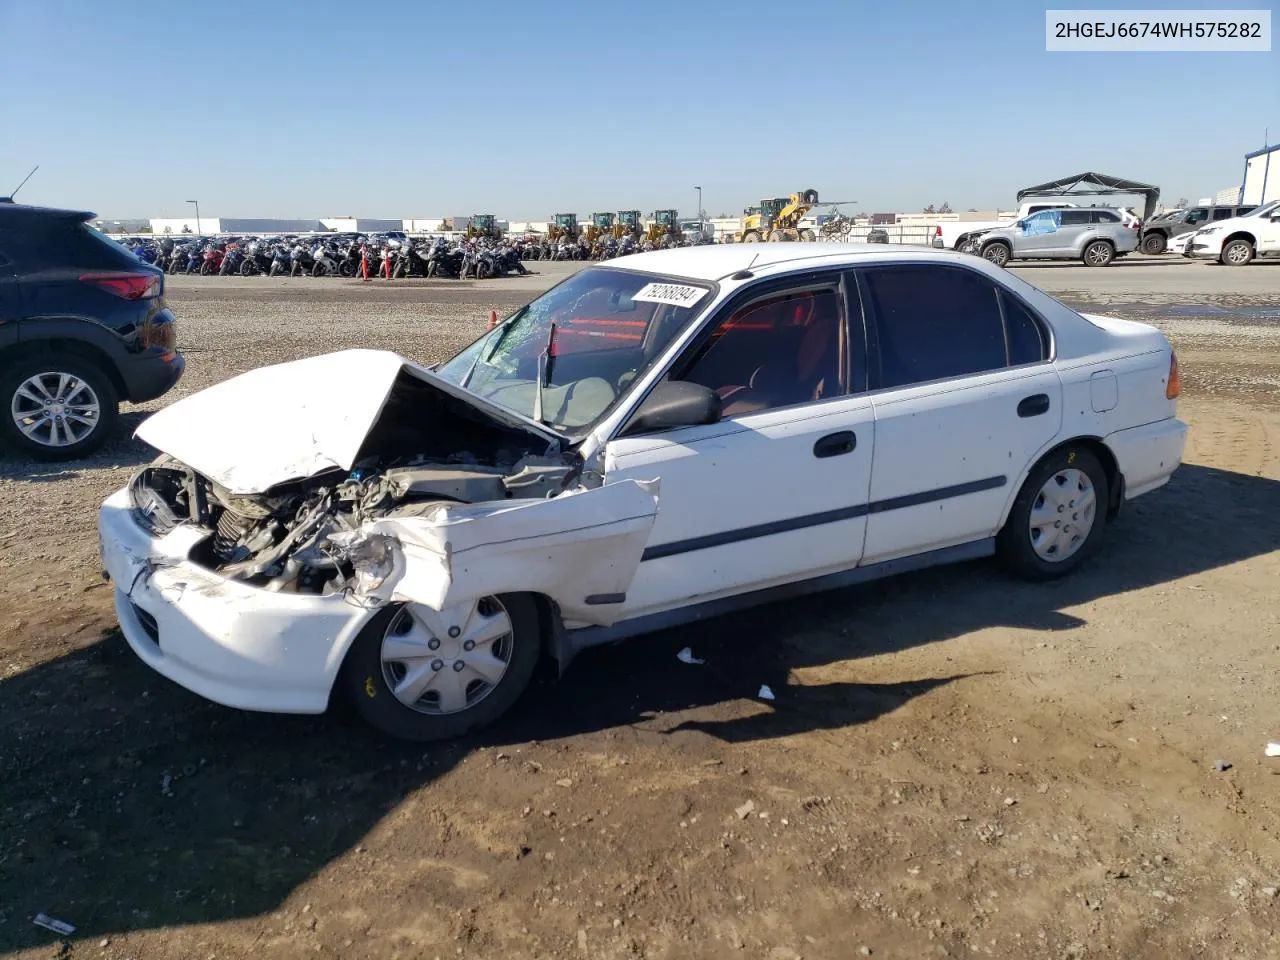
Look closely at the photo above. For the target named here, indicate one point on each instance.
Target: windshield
(568, 355)
(1265, 211)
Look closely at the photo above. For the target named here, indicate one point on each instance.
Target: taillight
(1173, 387)
(937, 231)
(127, 286)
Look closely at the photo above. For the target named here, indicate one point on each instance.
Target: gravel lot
(955, 764)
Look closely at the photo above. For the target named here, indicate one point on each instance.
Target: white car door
(964, 397)
(777, 490)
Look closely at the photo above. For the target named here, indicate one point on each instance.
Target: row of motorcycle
(387, 257)
(390, 258)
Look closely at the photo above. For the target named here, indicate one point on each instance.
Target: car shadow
(122, 450)
(127, 803)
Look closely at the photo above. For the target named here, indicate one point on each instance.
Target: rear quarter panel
(1113, 373)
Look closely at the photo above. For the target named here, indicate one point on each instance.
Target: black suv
(1157, 232)
(83, 325)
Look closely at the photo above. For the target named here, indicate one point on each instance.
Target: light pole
(199, 231)
(699, 189)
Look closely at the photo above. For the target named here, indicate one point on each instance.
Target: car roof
(715, 262)
(23, 210)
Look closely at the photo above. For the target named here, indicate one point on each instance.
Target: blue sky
(399, 108)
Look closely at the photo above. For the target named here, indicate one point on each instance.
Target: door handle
(835, 444)
(1034, 405)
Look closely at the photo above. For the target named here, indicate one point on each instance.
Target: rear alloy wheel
(1058, 517)
(1100, 253)
(1154, 244)
(415, 677)
(59, 407)
(997, 252)
(1237, 253)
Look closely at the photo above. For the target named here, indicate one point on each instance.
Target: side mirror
(675, 403)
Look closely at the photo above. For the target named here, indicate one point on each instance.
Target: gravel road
(954, 765)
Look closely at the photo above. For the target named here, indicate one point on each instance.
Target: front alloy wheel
(997, 253)
(1237, 253)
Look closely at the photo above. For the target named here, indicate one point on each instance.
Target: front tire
(408, 678)
(1154, 244)
(1237, 253)
(1057, 520)
(57, 407)
(997, 252)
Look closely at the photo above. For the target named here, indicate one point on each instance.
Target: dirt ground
(955, 764)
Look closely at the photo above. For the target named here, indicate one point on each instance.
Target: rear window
(91, 248)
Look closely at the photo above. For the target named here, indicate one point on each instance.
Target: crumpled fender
(581, 549)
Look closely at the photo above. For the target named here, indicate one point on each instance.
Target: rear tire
(1099, 253)
(751, 236)
(39, 442)
(363, 678)
(1236, 253)
(1026, 544)
(1154, 244)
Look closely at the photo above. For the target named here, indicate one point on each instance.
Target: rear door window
(1074, 218)
(1104, 216)
(933, 323)
(1223, 213)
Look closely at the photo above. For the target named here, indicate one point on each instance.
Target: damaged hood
(293, 420)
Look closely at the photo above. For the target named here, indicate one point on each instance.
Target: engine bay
(291, 537)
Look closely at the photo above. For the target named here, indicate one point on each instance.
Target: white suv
(1237, 241)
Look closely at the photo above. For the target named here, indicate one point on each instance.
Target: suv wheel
(57, 407)
(997, 252)
(1154, 244)
(1237, 253)
(1100, 253)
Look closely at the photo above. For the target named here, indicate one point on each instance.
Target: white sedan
(652, 441)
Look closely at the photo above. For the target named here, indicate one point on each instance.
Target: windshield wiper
(546, 360)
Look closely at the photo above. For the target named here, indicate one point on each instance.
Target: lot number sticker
(680, 295)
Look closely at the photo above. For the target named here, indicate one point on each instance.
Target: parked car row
(1234, 235)
(1168, 226)
(1237, 241)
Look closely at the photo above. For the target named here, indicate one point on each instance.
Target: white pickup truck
(954, 235)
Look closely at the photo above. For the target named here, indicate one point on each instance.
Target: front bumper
(1209, 246)
(229, 642)
(1148, 455)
